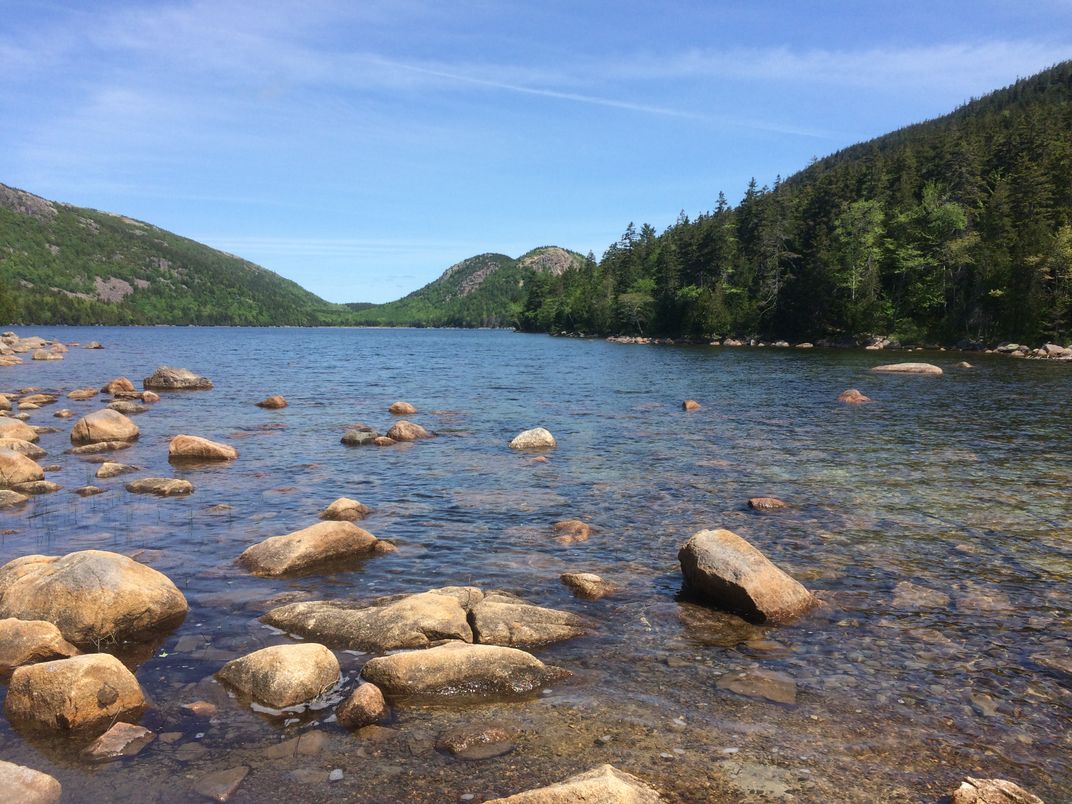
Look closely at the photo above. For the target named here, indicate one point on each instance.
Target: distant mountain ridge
(65, 264)
(486, 290)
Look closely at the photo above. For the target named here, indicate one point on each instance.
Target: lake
(958, 484)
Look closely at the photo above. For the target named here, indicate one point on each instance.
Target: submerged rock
(161, 486)
(196, 448)
(166, 378)
(460, 669)
(16, 469)
(407, 431)
(907, 595)
(773, 685)
(88, 692)
(31, 641)
(908, 368)
(103, 426)
(322, 543)
(221, 785)
(402, 409)
(991, 791)
(28, 786)
(732, 574)
(273, 402)
(364, 707)
(477, 742)
(569, 531)
(852, 397)
(283, 675)
(604, 784)
(536, 438)
(91, 596)
(586, 584)
(345, 510)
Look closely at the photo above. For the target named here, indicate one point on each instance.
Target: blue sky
(361, 147)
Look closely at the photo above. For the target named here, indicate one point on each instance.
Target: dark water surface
(959, 484)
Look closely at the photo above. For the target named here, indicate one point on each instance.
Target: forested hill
(67, 265)
(482, 291)
(956, 228)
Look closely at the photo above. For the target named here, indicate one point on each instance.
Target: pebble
(335, 775)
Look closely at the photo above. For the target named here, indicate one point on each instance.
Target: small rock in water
(161, 486)
(473, 743)
(274, 402)
(571, 530)
(196, 448)
(109, 469)
(345, 510)
(766, 504)
(364, 707)
(690, 404)
(907, 595)
(221, 785)
(121, 740)
(169, 379)
(773, 685)
(402, 409)
(536, 438)
(853, 397)
(407, 431)
(87, 491)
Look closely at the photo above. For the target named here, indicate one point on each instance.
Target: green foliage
(959, 227)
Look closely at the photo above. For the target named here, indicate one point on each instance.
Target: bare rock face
(27, 448)
(407, 431)
(458, 669)
(536, 438)
(390, 623)
(166, 378)
(345, 510)
(283, 675)
(91, 596)
(16, 469)
(586, 584)
(364, 707)
(317, 544)
(273, 402)
(195, 448)
(690, 404)
(908, 368)
(402, 409)
(766, 504)
(732, 574)
(28, 786)
(84, 693)
(992, 791)
(605, 784)
(503, 620)
(852, 397)
(103, 425)
(118, 385)
(31, 641)
(161, 486)
(13, 428)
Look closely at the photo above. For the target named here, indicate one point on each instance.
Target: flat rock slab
(754, 778)
(604, 784)
(503, 620)
(908, 368)
(121, 740)
(322, 543)
(27, 786)
(772, 685)
(221, 785)
(161, 486)
(460, 670)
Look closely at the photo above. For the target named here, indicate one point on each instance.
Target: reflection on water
(957, 485)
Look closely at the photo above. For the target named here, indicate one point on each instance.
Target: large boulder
(458, 669)
(88, 692)
(166, 378)
(103, 425)
(605, 784)
(503, 620)
(732, 574)
(389, 623)
(536, 438)
(345, 510)
(908, 368)
(13, 428)
(283, 675)
(92, 596)
(16, 469)
(196, 448)
(317, 544)
(27, 448)
(31, 641)
(27, 786)
(992, 791)
(407, 431)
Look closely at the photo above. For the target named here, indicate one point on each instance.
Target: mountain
(65, 264)
(956, 228)
(482, 291)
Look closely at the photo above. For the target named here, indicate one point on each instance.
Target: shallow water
(957, 483)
